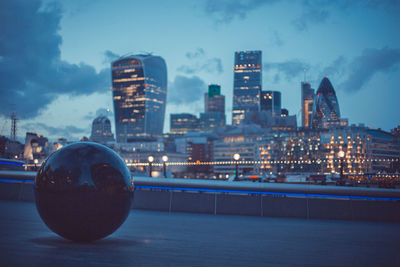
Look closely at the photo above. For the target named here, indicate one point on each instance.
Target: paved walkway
(150, 238)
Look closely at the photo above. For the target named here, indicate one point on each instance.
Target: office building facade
(246, 85)
(307, 100)
(214, 106)
(183, 122)
(271, 101)
(213, 100)
(101, 130)
(139, 85)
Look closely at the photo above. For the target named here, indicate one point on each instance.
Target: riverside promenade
(154, 238)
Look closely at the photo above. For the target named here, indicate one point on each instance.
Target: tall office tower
(139, 85)
(307, 100)
(101, 130)
(246, 85)
(213, 100)
(326, 107)
(271, 101)
(214, 107)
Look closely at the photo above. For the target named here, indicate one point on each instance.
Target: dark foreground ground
(150, 238)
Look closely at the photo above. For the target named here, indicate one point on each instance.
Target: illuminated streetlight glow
(236, 157)
(150, 159)
(341, 156)
(165, 159)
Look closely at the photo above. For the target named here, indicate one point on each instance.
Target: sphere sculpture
(83, 191)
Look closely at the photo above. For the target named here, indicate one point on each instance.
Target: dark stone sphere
(84, 191)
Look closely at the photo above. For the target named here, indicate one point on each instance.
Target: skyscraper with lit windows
(213, 117)
(139, 85)
(213, 100)
(326, 110)
(307, 100)
(271, 101)
(246, 85)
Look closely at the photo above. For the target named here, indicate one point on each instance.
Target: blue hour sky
(55, 56)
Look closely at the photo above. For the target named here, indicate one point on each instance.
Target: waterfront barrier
(242, 198)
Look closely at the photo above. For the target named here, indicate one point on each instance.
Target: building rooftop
(326, 87)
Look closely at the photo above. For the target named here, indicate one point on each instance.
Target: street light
(36, 161)
(341, 156)
(165, 159)
(150, 159)
(236, 157)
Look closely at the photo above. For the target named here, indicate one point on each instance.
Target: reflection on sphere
(83, 191)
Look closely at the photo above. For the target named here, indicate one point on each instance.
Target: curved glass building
(139, 85)
(326, 107)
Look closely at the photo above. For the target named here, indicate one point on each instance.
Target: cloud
(224, 11)
(104, 112)
(311, 15)
(312, 11)
(354, 73)
(337, 68)
(196, 54)
(290, 68)
(99, 112)
(89, 116)
(369, 63)
(316, 12)
(276, 39)
(186, 90)
(199, 63)
(32, 74)
(110, 56)
(69, 131)
(213, 65)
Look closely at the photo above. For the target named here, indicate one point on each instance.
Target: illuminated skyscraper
(246, 85)
(307, 100)
(213, 100)
(183, 122)
(214, 107)
(139, 85)
(271, 101)
(326, 108)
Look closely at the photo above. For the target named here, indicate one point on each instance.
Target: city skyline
(357, 50)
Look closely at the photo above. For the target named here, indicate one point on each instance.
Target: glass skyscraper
(214, 109)
(246, 85)
(326, 107)
(213, 100)
(139, 85)
(271, 101)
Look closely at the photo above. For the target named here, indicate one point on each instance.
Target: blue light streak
(268, 193)
(288, 194)
(6, 180)
(11, 163)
